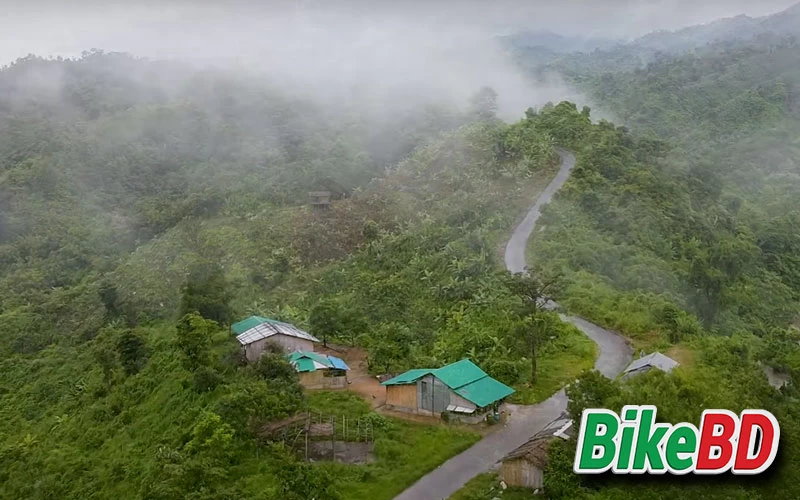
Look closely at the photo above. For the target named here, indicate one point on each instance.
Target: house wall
(428, 396)
(457, 400)
(520, 472)
(290, 344)
(318, 380)
(402, 397)
(437, 397)
(639, 371)
(433, 396)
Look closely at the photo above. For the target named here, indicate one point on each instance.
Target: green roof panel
(484, 391)
(459, 374)
(408, 377)
(319, 358)
(304, 365)
(246, 324)
(307, 358)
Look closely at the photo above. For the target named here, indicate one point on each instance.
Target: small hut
(647, 363)
(319, 371)
(325, 191)
(320, 199)
(525, 465)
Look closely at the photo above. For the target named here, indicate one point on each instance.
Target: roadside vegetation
(683, 244)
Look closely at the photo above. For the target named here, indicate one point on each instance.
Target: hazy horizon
(383, 55)
(181, 29)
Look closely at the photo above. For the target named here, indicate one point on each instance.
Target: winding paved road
(524, 420)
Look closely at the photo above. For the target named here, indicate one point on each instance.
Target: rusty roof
(535, 449)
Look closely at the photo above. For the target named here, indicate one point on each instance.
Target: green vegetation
(145, 206)
(486, 487)
(645, 235)
(559, 363)
(683, 243)
(406, 453)
(726, 376)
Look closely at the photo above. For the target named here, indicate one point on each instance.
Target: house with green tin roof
(254, 332)
(461, 389)
(319, 371)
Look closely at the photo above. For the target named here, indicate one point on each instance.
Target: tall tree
(194, 340)
(535, 295)
(207, 292)
(483, 105)
(132, 351)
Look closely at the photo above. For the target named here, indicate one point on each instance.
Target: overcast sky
(378, 53)
(65, 27)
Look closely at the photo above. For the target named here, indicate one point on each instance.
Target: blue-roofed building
(319, 371)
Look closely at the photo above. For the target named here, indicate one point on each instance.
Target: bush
(132, 352)
(206, 379)
(506, 371)
(275, 367)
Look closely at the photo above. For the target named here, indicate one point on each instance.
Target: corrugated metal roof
(265, 327)
(408, 377)
(535, 449)
(465, 378)
(305, 361)
(656, 359)
(314, 356)
(246, 324)
(484, 391)
(338, 363)
(304, 365)
(459, 374)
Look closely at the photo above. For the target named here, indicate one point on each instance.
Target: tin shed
(461, 389)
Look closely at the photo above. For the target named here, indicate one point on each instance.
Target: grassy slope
(404, 452)
(558, 364)
(486, 487)
(59, 413)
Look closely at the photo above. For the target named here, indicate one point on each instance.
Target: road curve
(524, 420)
(615, 353)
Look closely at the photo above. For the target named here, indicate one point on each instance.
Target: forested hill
(600, 55)
(148, 205)
(715, 236)
(709, 229)
(101, 154)
(728, 30)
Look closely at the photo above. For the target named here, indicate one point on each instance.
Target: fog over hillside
(379, 54)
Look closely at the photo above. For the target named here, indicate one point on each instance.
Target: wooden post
(308, 430)
(333, 438)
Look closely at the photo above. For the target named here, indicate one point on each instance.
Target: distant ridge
(741, 27)
(556, 43)
(545, 46)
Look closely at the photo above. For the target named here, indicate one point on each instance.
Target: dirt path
(361, 382)
(524, 421)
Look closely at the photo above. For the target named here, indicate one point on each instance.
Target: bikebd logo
(636, 444)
